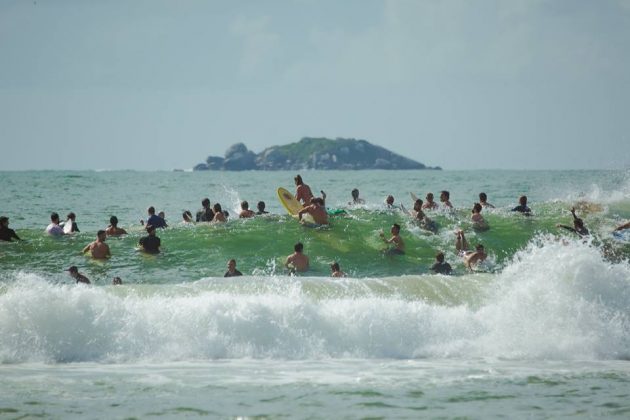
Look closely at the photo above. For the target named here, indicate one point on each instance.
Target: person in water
(117, 281)
(389, 202)
(471, 258)
(246, 213)
(483, 200)
(187, 217)
(441, 266)
(355, 197)
(298, 261)
(7, 234)
(303, 192)
(219, 216)
(477, 219)
(71, 220)
(578, 225)
(231, 269)
(317, 211)
(397, 242)
(335, 271)
(53, 228)
(522, 206)
(261, 208)
(99, 249)
(150, 243)
(421, 218)
(78, 277)
(430, 204)
(205, 214)
(113, 229)
(445, 198)
(155, 220)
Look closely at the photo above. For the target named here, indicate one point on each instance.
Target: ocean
(540, 330)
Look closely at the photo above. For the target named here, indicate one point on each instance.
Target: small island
(311, 153)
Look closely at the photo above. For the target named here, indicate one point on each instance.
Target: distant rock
(311, 153)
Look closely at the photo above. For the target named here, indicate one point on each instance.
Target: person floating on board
(99, 249)
(113, 229)
(317, 211)
(430, 204)
(246, 213)
(205, 214)
(261, 208)
(298, 261)
(578, 225)
(78, 277)
(522, 206)
(303, 192)
(441, 266)
(7, 234)
(53, 229)
(445, 197)
(150, 243)
(355, 197)
(70, 225)
(479, 223)
(155, 220)
(483, 200)
(231, 269)
(336, 271)
(471, 258)
(219, 216)
(397, 242)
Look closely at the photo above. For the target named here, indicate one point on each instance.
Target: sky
(160, 84)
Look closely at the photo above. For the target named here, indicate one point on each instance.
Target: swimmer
(231, 269)
(396, 240)
(336, 271)
(297, 261)
(479, 223)
(445, 196)
(430, 204)
(317, 210)
(187, 217)
(578, 225)
(113, 229)
(71, 220)
(261, 208)
(389, 202)
(98, 249)
(155, 220)
(522, 206)
(483, 200)
(303, 192)
(355, 197)
(440, 266)
(471, 258)
(117, 281)
(7, 234)
(150, 243)
(74, 273)
(219, 216)
(53, 229)
(205, 214)
(246, 213)
(421, 218)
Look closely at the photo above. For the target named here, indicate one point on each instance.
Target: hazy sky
(462, 84)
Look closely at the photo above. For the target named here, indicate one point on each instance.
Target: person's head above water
(445, 196)
(231, 265)
(335, 266)
(395, 229)
(389, 200)
(205, 202)
(417, 205)
(298, 180)
(439, 257)
(429, 197)
(355, 193)
(299, 247)
(522, 200)
(4, 221)
(54, 217)
(483, 197)
(244, 205)
(477, 208)
(71, 216)
(187, 216)
(261, 206)
(217, 208)
(151, 210)
(113, 221)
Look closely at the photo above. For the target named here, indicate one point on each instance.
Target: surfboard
(288, 201)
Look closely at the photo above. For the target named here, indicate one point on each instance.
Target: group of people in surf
(311, 205)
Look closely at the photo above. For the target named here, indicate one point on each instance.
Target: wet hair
(117, 280)
(3, 219)
(73, 269)
(396, 226)
(477, 208)
(299, 247)
(113, 220)
(100, 232)
(205, 202)
(418, 202)
(245, 205)
(479, 247)
(429, 196)
(483, 197)
(71, 215)
(232, 261)
(522, 200)
(151, 210)
(298, 180)
(389, 198)
(439, 256)
(162, 214)
(335, 266)
(54, 216)
(216, 207)
(446, 194)
(187, 215)
(355, 194)
(261, 205)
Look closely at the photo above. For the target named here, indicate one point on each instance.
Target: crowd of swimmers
(313, 206)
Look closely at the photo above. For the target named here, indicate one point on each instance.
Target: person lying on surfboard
(317, 210)
(578, 225)
(302, 192)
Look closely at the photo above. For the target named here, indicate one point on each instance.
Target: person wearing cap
(6, 234)
(53, 228)
(113, 229)
(74, 273)
(150, 243)
(99, 249)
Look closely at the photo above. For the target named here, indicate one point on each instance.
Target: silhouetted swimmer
(335, 271)
(113, 229)
(522, 206)
(261, 208)
(231, 269)
(150, 243)
(298, 261)
(78, 277)
(7, 234)
(117, 281)
(155, 220)
(441, 266)
(578, 225)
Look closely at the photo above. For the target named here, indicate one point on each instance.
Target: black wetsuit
(205, 215)
(150, 244)
(7, 234)
(235, 274)
(442, 268)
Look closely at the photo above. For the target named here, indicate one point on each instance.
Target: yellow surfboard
(289, 202)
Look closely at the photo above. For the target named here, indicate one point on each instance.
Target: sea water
(541, 331)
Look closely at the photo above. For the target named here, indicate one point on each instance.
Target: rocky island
(311, 153)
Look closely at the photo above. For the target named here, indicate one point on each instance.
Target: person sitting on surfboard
(430, 204)
(205, 214)
(578, 225)
(246, 213)
(396, 240)
(302, 192)
(336, 271)
(355, 197)
(317, 210)
(261, 208)
(219, 216)
(483, 200)
(113, 229)
(445, 197)
(98, 249)
(297, 261)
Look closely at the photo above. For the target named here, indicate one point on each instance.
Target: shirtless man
(246, 213)
(113, 229)
(99, 249)
(578, 225)
(471, 258)
(303, 192)
(231, 269)
(479, 223)
(297, 261)
(261, 208)
(317, 210)
(445, 196)
(483, 200)
(336, 271)
(430, 204)
(74, 273)
(421, 218)
(396, 240)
